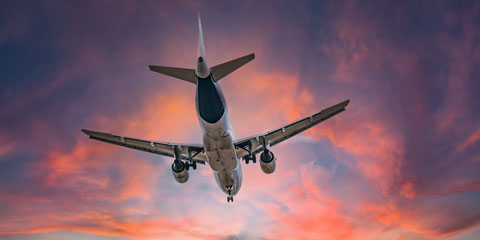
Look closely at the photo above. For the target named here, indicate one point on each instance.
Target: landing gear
(249, 157)
(178, 161)
(191, 164)
(229, 197)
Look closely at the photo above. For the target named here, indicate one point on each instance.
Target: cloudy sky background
(402, 162)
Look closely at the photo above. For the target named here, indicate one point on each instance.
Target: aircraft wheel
(194, 165)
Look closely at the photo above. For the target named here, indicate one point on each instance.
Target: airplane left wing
(193, 152)
(256, 144)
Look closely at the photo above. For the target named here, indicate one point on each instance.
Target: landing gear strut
(250, 156)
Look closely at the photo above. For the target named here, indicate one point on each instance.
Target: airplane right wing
(255, 144)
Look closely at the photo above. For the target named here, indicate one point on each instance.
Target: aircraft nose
(200, 59)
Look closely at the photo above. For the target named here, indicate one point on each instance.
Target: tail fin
(203, 70)
(190, 75)
(201, 47)
(220, 70)
(226, 68)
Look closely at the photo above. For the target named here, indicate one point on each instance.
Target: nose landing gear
(229, 197)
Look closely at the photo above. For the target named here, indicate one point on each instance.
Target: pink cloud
(113, 191)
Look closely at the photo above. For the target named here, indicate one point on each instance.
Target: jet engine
(267, 162)
(180, 171)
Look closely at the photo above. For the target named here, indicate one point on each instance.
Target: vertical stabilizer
(201, 47)
(202, 67)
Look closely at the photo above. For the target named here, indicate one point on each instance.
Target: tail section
(203, 71)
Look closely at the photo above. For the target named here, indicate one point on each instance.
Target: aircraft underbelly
(220, 153)
(221, 156)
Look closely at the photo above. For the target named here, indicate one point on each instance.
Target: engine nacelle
(267, 162)
(180, 171)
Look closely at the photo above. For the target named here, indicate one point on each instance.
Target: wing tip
(157, 69)
(87, 132)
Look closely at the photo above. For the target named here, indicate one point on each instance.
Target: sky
(402, 162)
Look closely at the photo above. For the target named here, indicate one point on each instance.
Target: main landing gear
(191, 164)
(250, 157)
(229, 197)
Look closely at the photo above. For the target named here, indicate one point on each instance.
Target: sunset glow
(402, 162)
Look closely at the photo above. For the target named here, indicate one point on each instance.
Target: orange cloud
(311, 214)
(146, 229)
(94, 187)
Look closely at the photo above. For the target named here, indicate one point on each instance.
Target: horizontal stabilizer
(180, 73)
(224, 69)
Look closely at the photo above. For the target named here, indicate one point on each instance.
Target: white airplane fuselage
(213, 115)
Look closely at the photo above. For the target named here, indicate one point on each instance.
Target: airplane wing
(255, 144)
(195, 152)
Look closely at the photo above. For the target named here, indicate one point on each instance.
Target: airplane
(220, 150)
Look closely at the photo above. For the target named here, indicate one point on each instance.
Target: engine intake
(267, 162)
(180, 171)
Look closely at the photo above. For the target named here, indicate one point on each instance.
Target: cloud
(400, 163)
